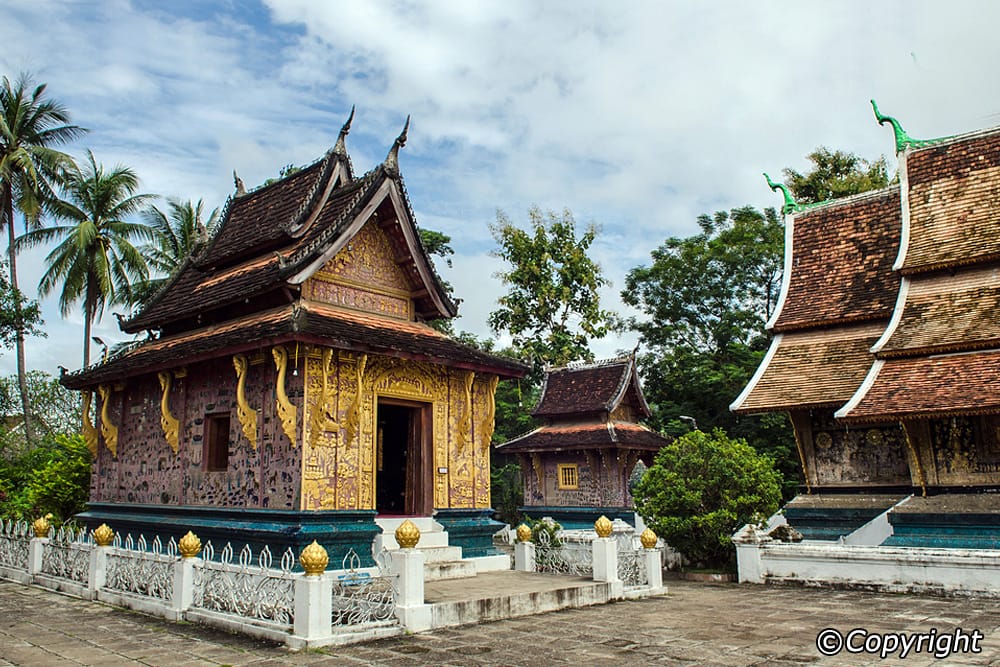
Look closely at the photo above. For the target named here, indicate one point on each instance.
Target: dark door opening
(401, 476)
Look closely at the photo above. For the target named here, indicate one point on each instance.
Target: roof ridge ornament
(241, 189)
(391, 163)
(340, 148)
(903, 140)
(790, 204)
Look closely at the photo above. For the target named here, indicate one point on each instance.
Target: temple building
(886, 354)
(290, 387)
(577, 465)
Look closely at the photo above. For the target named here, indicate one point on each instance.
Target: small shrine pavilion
(290, 387)
(577, 465)
(886, 351)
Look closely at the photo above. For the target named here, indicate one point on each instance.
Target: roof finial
(240, 188)
(340, 148)
(902, 138)
(392, 159)
(790, 204)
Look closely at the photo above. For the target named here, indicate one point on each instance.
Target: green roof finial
(902, 138)
(790, 204)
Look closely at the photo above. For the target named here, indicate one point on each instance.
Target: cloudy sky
(636, 116)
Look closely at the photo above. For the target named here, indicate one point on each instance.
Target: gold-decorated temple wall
(339, 432)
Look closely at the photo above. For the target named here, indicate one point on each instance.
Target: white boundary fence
(244, 593)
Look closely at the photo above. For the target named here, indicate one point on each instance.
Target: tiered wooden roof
(590, 406)
(242, 290)
(940, 355)
(837, 296)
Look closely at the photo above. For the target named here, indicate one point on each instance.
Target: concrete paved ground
(695, 624)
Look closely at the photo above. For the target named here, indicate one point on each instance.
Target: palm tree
(94, 260)
(30, 125)
(176, 235)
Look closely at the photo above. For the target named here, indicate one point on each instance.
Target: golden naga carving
(246, 414)
(286, 410)
(354, 413)
(108, 429)
(320, 416)
(536, 463)
(488, 424)
(103, 535)
(171, 426)
(89, 430)
(465, 425)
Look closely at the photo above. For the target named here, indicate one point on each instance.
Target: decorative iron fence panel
(251, 591)
(14, 539)
(141, 569)
(360, 598)
(556, 556)
(67, 555)
(631, 562)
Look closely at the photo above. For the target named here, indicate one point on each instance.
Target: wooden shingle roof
(590, 388)
(574, 437)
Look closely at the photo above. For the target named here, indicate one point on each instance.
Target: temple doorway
(402, 458)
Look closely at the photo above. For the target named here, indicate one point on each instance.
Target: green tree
(94, 260)
(176, 234)
(31, 125)
(552, 306)
(836, 174)
(57, 410)
(701, 488)
(53, 477)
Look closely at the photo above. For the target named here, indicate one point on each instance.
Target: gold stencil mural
(339, 472)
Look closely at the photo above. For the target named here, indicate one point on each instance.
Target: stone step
(435, 540)
(455, 569)
(440, 554)
(426, 524)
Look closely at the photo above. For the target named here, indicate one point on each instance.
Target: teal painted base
(578, 518)
(471, 529)
(829, 523)
(338, 531)
(944, 531)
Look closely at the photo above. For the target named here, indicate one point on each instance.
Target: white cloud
(639, 116)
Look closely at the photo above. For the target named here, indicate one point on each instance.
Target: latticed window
(568, 478)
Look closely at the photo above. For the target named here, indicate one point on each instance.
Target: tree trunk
(22, 378)
(87, 319)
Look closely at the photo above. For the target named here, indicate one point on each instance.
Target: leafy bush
(51, 478)
(508, 495)
(701, 488)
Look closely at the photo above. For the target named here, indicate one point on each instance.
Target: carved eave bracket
(246, 414)
(90, 435)
(108, 429)
(169, 423)
(489, 419)
(287, 412)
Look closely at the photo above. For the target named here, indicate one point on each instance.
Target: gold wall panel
(339, 469)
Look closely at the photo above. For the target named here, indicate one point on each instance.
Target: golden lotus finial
(314, 559)
(407, 534)
(648, 539)
(103, 535)
(41, 526)
(189, 546)
(523, 533)
(603, 526)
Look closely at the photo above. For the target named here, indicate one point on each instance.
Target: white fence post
(35, 549)
(183, 594)
(313, 605)
(524, 557)
(605, 558)
(654, 568)
(97, 576)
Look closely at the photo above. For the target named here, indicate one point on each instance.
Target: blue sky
(637, 116)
